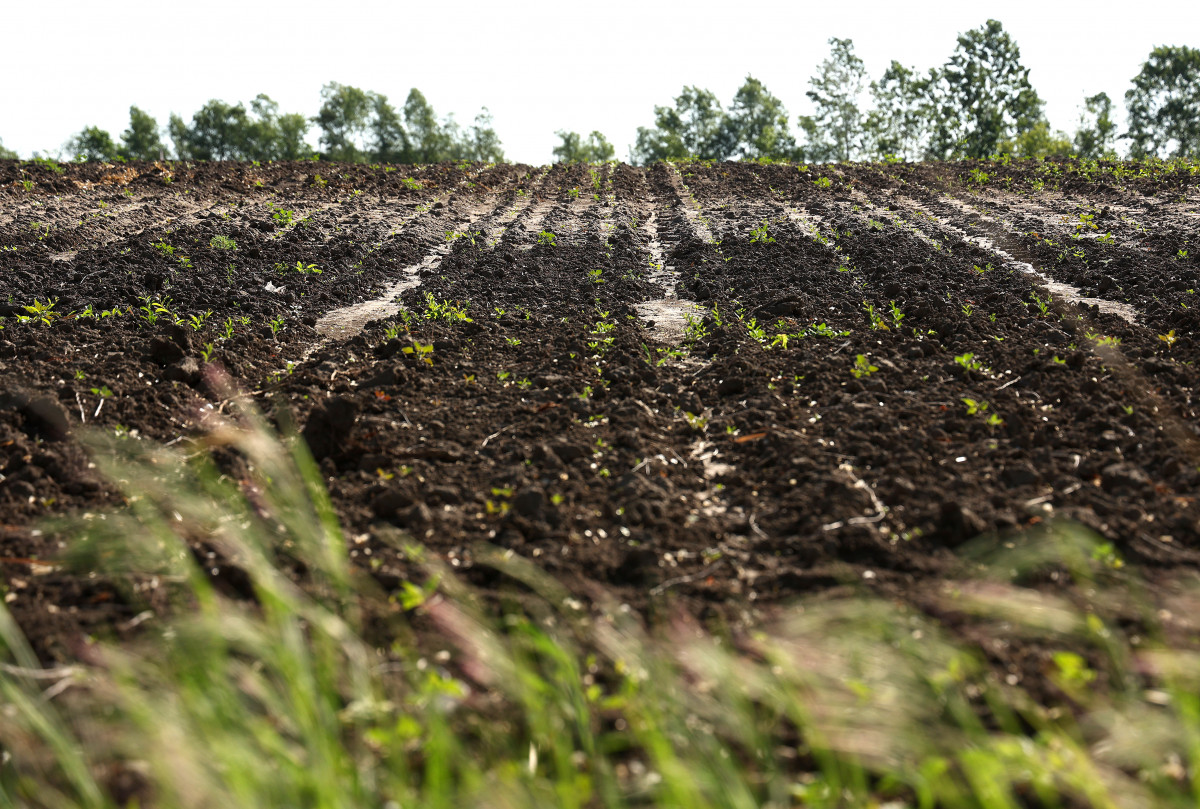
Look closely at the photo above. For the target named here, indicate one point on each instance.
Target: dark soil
(715, 471)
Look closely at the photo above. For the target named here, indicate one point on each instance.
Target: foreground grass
(279, 701)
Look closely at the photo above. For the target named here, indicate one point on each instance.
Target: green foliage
(1096, 132)
(573, 149)
(694, 127)
(862, 367)
(1038, 142)
(222, 243)
(362, 126)
(141, 140)
(284, 698)
(1164, 104)
(92, 144)
(757, 125)
(761, 234)
(221, 131)
(982, 96)
(835, 131)
(901, 115)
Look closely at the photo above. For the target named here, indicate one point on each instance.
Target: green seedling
(968, 309)
(823, 182)
(761, 235)
(410, 183)
(276, 326)
(227, 330)
(104, 392)
(207, 352)
(421, 352)
(164, 248)
(546, 238)
(862, 367)
(283, 216)
(40, 312)
(696, 423)
(897, 315)
(1169, 338)
(197, 321)
(222, 243)
(596, 275)
(445, 310)
(969, 362)
(877, 322)
(1043, 304)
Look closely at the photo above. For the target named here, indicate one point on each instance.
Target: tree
(390, 142)
(897, 123)
(1039, 141)
(344, 119)
(92, 144)
(218, 132)
(573, 149)
(1097, 130)
(757, 124)
(835, 131)
(982, 97)
(1164, 104)
(141, 140)
(430, 143)
(271, 135)
(694, 127)
(484, 146)
(6, 154)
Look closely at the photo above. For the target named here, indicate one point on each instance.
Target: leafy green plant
(411, 184)
(877, 321)
(761, 234)
(276, 325)
(197, 321)
(1169, 338)
(222, 243)
(862, 367)
(283, 216)
(445, 310)
(596, 275)
(546, 238)
(421, 352)
(40, 312)
(969, 362)
(1043, 304)
(822, 182)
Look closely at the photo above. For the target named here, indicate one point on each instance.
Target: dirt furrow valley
(721, 387)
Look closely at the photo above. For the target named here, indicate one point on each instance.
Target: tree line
(979, 103)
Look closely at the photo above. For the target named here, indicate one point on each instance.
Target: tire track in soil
(345, 322)
(669, 314)
(1046, 279)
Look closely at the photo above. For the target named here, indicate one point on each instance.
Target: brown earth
(725, 469)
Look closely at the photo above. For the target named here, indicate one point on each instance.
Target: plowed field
(724, 386)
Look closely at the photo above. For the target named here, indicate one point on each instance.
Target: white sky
(539, 66)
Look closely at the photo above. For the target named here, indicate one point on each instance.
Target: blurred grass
(276, 699)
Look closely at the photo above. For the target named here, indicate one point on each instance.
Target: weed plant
(276, 699)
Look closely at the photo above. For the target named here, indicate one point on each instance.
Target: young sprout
(862, 367)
